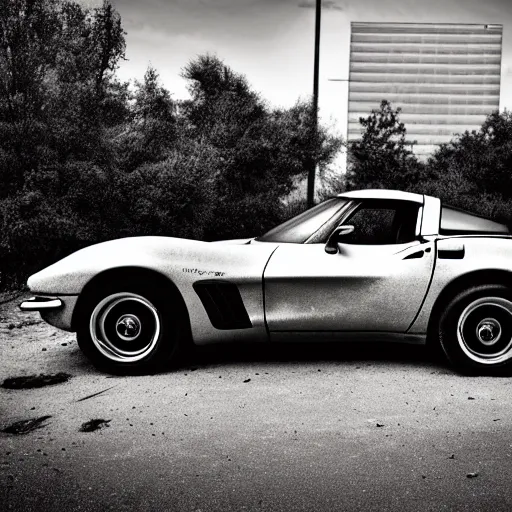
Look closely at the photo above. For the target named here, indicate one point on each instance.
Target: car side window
(382, 224)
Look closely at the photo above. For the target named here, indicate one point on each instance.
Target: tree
(59, 106)
(483, 157)
(151, 130)
(57, 88)
(473, 170)
(262, 151)
(381, 159)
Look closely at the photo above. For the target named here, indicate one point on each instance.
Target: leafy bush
(381, 158)
(473, 171)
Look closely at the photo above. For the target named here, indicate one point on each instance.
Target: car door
(376, 281)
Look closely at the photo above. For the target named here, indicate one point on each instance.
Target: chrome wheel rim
(484, 330)
(125, 327)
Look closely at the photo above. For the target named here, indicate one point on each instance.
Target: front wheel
(475, 330)
(129, 329)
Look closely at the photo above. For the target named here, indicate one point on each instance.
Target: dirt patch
(6, 297)
(24, 323)
(26, 426)
(92, 425)
(35, 381)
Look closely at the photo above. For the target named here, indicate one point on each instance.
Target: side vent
(223, 304)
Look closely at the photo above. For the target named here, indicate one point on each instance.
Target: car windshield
(298, 229)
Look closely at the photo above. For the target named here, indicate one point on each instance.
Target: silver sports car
(370, 264)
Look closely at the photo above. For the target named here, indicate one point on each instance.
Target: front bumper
(57, 311)
(41, 304)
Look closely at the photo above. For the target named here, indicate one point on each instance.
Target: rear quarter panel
(481, 253)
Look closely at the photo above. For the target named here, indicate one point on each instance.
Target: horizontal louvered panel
(429, 119)
(419, 58)
(433, 88)
(444, 77)
(428, 48)
(425, 149)
(424, 129)
(424, 78)
(375, 98)
(416, 140)
(426, 38)
(423, 28)
(361, 106)
(426, 69)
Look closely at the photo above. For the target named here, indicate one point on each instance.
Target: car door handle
(450, 250)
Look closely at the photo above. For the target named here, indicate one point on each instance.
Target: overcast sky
(271, 41)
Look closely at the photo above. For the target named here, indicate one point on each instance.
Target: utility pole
(312, 169)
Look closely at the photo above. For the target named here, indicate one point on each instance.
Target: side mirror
(331, 247)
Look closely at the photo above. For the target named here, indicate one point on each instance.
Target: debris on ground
(247, 380)
(472, 475)
(95, 424)
(95, 394)
(35, 381)
(24, 323)
(26, 426)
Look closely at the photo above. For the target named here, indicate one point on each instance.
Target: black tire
(131, 328)
(475, 330)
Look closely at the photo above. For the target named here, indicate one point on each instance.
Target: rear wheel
(476, 330)
(133, 328)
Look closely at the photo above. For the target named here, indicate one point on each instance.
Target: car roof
(380, 193)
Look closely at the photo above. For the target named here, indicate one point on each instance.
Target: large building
(444, 77)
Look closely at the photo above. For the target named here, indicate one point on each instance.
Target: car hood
(177, 258)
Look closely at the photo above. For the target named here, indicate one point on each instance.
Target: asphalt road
(292, 428)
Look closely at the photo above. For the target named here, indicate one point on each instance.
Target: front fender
(184, 262)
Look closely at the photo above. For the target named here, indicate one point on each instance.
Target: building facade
(445, 77)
